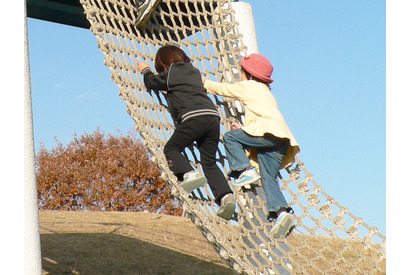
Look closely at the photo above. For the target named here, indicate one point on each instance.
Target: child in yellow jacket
(264, 130)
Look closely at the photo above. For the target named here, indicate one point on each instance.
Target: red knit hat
(258, 66)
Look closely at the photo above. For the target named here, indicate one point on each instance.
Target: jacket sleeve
(235, 90)
(155, 82)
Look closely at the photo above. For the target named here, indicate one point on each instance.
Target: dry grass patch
(124, 243)
(319, 254)
(144, 243)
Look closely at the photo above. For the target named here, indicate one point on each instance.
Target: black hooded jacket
(183, 88)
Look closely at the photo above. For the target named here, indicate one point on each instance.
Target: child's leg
(208, 146)
(269, 161)
(234, 142)
(183, 136)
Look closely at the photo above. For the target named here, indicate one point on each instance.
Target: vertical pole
(244, 16)
(246, 27)
(32, 250)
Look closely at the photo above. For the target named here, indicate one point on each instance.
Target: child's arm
(151, 81)
(235, 90)
(142, 66)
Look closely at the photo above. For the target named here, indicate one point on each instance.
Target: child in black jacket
(196, 120)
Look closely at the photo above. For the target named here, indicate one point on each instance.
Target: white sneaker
(282, 226)
(227, 207)
(192, 180)
(247, 177)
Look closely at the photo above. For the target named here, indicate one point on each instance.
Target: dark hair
(168, 55)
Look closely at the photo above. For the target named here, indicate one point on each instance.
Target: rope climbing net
(328, 239)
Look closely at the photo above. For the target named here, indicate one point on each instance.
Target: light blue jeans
(270, 151)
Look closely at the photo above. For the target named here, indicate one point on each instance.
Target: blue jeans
(270, 151)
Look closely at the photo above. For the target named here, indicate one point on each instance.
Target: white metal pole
(32, 250)
(244, 17)
(246, 27)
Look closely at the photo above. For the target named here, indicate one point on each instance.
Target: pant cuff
(236, 171)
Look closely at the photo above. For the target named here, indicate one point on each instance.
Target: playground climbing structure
(327, 239)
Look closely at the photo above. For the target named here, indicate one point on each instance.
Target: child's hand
(142, 66)
(235, 126)
(203, 80)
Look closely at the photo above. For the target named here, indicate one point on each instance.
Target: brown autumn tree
(98, 173)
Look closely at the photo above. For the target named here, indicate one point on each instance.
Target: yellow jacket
(261, 112)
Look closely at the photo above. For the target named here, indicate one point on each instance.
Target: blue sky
(330, 84)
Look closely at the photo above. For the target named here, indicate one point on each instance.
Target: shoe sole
(146, 15)
(280, 230)
(191, 185)
(248, 182)
(227, 211)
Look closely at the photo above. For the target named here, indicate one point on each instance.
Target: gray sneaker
(145, 9)
(282, 226)
(192, 180)
(227, 206)
(247, 177)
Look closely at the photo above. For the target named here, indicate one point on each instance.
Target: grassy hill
(124, 243)
(144, 243)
